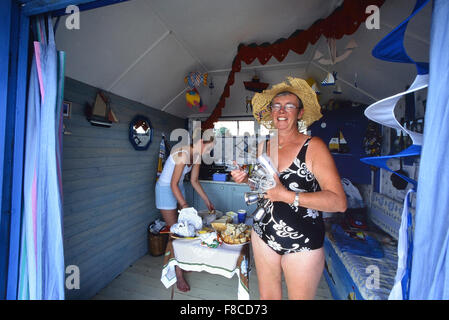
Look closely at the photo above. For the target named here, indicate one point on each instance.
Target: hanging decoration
(330, 79)
(333, 57)
(391, 48)
(312, 83)
(337, 90)
(372, 140)
(162, 156)
(211, 86)
(249, 105)
(345, 20)
(254, 86)
(193, 98)
(338, 143)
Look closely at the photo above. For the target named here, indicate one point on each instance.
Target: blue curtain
(430, 264)
(42, 272)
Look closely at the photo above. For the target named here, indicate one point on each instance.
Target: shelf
(343, 154)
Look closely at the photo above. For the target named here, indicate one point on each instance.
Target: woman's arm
(197, 186)
(177, 173)
(331, 198)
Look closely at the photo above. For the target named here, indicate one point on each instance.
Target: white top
(167, 172)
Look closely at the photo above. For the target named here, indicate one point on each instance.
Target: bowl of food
(236, 234)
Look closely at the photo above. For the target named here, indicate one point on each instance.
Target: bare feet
(181, 283)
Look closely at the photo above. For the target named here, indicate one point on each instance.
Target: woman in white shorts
(170, 194)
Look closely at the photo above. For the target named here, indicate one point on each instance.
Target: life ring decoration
(140, 132)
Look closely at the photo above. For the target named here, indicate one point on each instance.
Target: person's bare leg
(302, 272)
(170, 218)
(268, 267)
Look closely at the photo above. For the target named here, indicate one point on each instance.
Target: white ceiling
(143, 49)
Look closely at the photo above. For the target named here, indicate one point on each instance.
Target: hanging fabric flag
(161, 159)
(42, 271)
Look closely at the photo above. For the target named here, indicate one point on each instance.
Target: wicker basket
(157, 243)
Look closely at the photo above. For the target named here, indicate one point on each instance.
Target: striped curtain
(42, 272)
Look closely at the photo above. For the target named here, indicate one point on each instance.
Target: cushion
(386, 213)
(360, 269)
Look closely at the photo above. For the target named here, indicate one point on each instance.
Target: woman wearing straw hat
(290, 237)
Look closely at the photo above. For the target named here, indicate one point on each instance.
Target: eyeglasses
(288, 107)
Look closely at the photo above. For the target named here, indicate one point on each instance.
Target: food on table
(206, 230)
(236, 233)
(220, 224)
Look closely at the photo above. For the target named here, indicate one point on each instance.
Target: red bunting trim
(345, 20)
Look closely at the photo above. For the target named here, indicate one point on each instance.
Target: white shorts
(165, 199)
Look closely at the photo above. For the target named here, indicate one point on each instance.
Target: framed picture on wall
(66, 109)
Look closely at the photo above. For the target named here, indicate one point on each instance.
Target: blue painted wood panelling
(352, 122)
(108, 189)
(35, 7)
(19, 109)
(5, 168)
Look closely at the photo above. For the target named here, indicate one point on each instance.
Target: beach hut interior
(100, 92)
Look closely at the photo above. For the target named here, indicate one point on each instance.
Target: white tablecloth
(226, 260)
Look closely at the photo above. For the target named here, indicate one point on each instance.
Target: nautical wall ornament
(254, 86)
(333, 57)
(140, 132)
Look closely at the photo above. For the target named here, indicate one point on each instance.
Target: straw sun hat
(261, 101)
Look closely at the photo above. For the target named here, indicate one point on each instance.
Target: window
(239, 128)
(226, 128)
(238, 140)
(245, 128)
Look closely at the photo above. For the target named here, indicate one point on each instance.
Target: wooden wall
(108, 189)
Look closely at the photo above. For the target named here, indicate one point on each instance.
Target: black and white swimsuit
(286, 228)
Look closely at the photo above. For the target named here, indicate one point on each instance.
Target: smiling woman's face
(286, 117)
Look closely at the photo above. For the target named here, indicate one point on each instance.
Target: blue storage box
(219, 176)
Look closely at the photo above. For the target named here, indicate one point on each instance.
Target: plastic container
(219, 176)
(241, 216)
(234, 216)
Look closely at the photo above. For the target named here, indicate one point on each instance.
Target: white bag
(353, 197)
(190, 216)
(183, 229)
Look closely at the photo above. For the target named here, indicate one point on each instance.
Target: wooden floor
(142, 281)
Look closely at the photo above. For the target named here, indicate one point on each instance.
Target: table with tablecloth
(225, 260)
